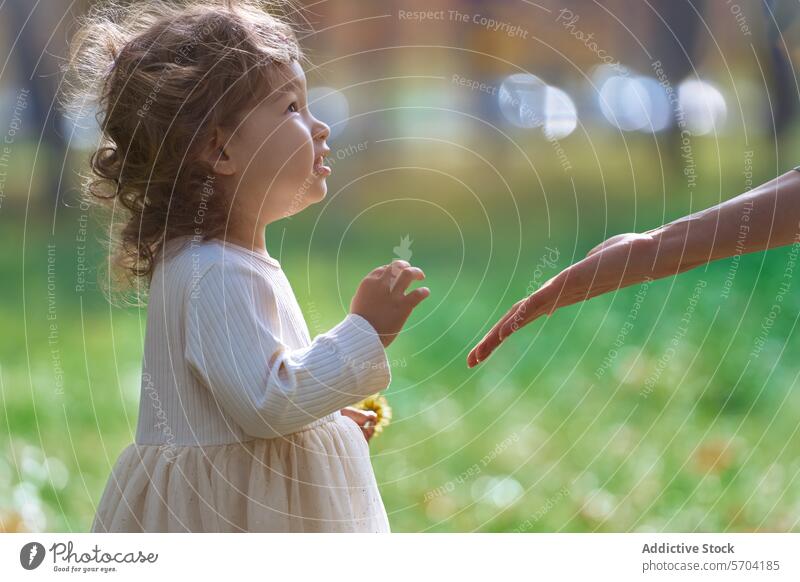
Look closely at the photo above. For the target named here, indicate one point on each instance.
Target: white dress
(239, 426)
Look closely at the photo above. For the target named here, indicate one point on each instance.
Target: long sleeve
(268, 389)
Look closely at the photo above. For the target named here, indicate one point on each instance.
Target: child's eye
(293, 107)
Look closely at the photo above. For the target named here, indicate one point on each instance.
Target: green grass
(534, 439)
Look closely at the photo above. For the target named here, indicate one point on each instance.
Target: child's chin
(318, 194)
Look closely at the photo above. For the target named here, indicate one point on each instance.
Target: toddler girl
(207, 139)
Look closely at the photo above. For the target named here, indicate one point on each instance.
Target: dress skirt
(319, 479)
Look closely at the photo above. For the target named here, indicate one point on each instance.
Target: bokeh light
(331, 106)
(633, 103)
(703, 106)
(528, 102)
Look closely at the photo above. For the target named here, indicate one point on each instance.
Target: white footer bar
(406, 557)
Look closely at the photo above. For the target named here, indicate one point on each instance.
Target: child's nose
(321, 130)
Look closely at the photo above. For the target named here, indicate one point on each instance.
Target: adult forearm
(763, 218)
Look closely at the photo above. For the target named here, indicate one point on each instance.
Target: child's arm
(267, 388)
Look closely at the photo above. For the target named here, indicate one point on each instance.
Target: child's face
(277, 153)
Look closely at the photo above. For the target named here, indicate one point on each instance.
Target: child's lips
(320, 169)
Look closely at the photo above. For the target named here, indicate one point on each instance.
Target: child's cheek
(305, 160)
(287, 164)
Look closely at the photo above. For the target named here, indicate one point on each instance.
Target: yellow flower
(378, 404)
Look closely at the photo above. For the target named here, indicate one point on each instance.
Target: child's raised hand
(381, 298)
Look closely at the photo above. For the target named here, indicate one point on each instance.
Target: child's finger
(405, 278)
(365, 419)
(417, 296)
(358, 415)
(367, 423)
(368, 432)
(378, 271)
(394, 268)
(370, 419)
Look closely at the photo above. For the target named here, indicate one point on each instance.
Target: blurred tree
(33, 26)
(779, 17)
(676, 36)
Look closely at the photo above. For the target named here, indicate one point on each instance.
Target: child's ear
(216, 153)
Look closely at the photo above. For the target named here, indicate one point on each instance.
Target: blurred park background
(492, 144)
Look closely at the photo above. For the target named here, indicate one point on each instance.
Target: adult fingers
(491, 340)
(522, 316)
(540, 302)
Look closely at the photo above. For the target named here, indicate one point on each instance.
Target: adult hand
(620, 261)
(769, 215)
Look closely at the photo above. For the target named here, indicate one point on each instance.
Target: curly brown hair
(162, 76)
